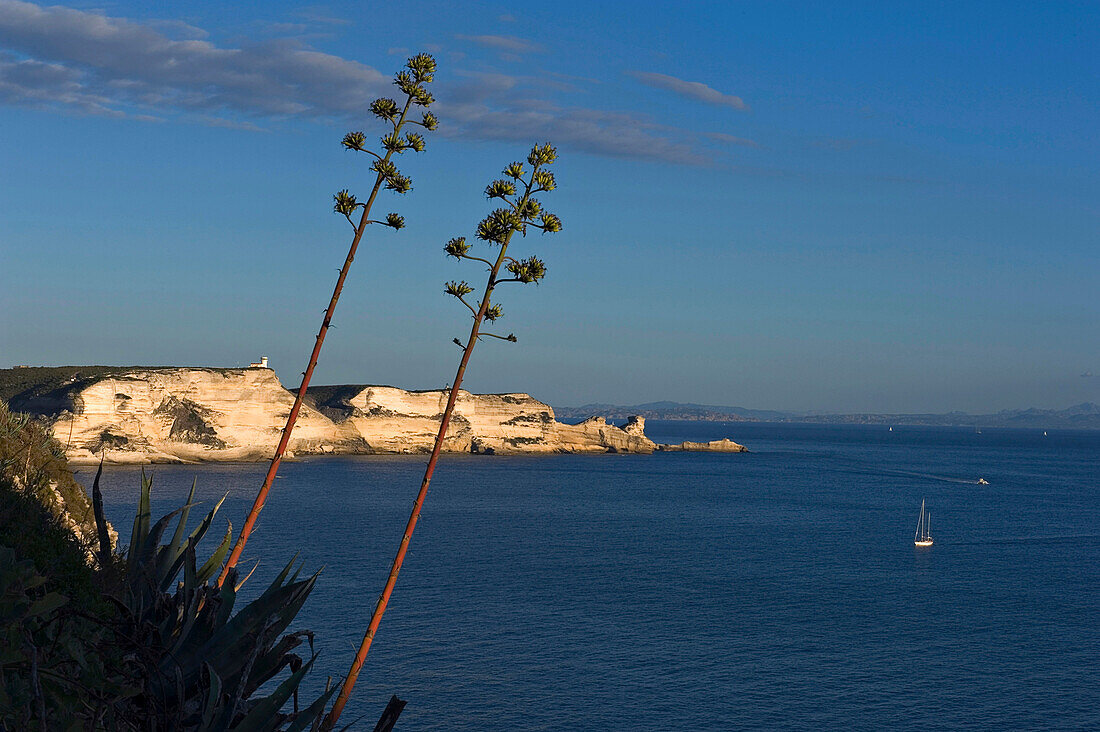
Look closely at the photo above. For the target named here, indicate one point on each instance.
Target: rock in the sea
(199, 414)
(723, 445)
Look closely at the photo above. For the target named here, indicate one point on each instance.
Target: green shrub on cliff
(43, 510)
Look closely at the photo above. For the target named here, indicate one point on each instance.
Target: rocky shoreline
(181, 414)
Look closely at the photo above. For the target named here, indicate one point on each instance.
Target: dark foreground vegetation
(94, 639)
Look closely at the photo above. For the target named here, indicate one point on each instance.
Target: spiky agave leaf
(102, 533)
(169, 575)
(230, 646)
(169, 554)
(141, 525)
(214, 562)
(280, 656)
(211, 706)
(312, 714)
(264, 716)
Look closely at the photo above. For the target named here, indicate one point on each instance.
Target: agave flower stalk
(419, 71)
(520, 213)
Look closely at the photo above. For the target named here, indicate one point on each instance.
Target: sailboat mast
(920, 521)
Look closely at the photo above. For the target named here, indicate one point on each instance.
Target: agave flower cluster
(521, 212)
(419, 71)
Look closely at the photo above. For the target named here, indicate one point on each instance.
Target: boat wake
(1027, 539)
(894, 473)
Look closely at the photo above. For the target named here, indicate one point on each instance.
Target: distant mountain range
(1080, 416)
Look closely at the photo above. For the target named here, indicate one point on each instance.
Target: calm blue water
(773, 590)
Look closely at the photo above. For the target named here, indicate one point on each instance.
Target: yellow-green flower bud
(500, 189)
(457, 247)
(458, 289)
(345, 203)
(387, 109)
(354, 140)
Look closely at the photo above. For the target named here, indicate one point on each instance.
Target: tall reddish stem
(273, 469)
(410, 526)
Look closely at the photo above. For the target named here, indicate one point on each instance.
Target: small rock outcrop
(723, 445)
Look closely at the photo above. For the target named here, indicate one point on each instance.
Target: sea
(777, 589)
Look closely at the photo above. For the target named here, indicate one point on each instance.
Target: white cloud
(690, 89)
(599, 132)
(112, 64)
(732, 139)
(504, 43)
(90, 63)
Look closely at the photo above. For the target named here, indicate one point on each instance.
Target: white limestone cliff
(188, 414)
(202, 414)
(395, 420)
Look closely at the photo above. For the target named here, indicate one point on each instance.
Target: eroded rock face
(188, 414)
(395, 420)
(197, 414)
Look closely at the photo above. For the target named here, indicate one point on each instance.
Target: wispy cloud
(60, 58)
(731, 139)
(319, 14)
(511, 44)
(104, 65)
(600, 132)
(503, 107)
(690, 89)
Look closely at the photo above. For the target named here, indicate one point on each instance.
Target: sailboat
(923, 537)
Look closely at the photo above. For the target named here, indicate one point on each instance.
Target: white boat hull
(923, 542)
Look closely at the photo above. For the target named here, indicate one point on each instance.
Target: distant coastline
(1080, 416)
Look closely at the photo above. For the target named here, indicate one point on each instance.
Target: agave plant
(412, 83)
(521, 213)
(200, 664)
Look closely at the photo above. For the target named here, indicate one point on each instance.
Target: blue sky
(826, 206)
